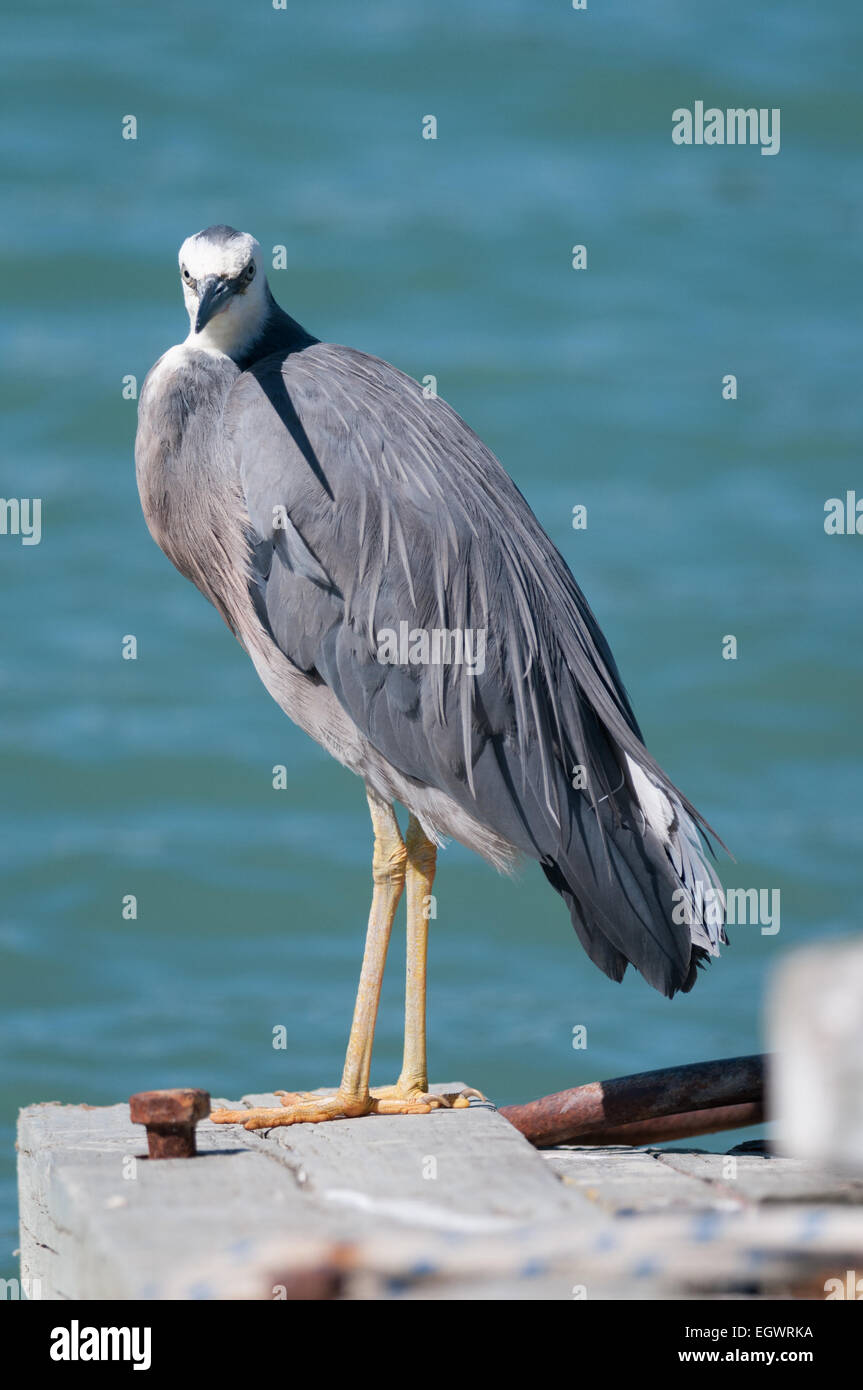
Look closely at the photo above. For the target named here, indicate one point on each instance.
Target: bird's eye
(186, 276)
(250, 270)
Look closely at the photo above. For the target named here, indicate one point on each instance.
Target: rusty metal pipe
(567, 1116)
(684, 1126)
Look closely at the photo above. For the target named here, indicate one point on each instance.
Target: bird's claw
(313, 1107)
(447, 1100)
(297, 1108)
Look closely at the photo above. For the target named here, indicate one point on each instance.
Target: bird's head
(225, 289)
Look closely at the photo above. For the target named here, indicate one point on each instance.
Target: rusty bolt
(170, 1118)
(317, 1283)
(318, 1278)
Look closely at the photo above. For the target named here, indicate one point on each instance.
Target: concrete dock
(451, 1205)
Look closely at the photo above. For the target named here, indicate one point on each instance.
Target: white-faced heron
(403, 605)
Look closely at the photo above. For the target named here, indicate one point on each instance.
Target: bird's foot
(389, 1100)
(383, 1100)
(297, 1108)
(312, 1107)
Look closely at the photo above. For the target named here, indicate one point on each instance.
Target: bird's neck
(278, 333)
(251, 329)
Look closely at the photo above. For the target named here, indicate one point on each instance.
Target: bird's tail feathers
(698, 896)
(640, 888)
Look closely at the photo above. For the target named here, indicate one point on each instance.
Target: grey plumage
(317, 497)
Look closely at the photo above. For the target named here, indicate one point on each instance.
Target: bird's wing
(380, 516)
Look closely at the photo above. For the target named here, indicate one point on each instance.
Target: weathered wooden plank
(456, 1170)
(815, 1022)
(759, 1251)
(762, 1178)
(625, 1181)
(454, 1205)
(100, 1220)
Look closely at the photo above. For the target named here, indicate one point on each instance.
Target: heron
(319, 498)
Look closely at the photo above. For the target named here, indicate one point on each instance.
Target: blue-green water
(603, 387)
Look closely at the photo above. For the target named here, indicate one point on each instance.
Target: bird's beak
(213, 296)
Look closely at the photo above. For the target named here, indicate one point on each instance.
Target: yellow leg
(420, 872)
(413, 1083)
(419, 877)
(388, 871)
(352, 1097)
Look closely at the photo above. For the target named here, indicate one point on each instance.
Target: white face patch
(226, 255)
